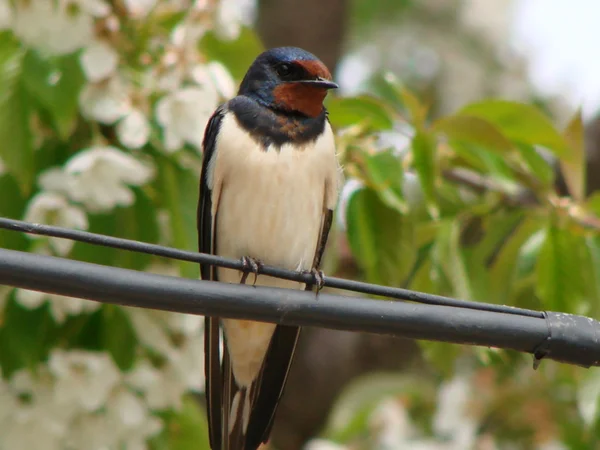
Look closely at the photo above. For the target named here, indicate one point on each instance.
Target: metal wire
(332, 282)
(562, 337)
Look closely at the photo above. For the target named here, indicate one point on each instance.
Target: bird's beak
(321, 82)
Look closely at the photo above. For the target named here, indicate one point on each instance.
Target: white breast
(269, 206)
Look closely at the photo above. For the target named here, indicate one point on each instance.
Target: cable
(337, 283)
(574, 339)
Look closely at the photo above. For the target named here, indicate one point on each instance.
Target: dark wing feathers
(273, 376)
(266, 392)
(325, 228)
(206, 241)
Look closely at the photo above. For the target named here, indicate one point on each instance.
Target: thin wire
(182, 255)
(558, 336)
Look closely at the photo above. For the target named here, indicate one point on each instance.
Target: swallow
(269, 184)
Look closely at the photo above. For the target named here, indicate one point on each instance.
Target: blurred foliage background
(462, 180)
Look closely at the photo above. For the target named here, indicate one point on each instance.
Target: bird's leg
(318, 276)
(250, 265)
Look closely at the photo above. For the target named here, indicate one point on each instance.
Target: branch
(525, 198)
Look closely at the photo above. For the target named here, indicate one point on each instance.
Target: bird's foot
(250, 265)
(318, 277)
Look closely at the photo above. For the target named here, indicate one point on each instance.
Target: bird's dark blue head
(288, 80)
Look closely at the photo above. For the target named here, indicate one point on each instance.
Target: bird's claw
(250, 265)
(318, 277)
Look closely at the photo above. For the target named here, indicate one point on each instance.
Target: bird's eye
(284, 70)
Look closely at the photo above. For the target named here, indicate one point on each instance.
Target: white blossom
(106, 101)
(587, 397)
(186, 35)
(96, 8)
(150, 330)
(451, 419)
(53, 26)
(168, 80)
(100, 177)
(392, 424)
(53, 209)
(143, 376)
(184, 114)
(351, 186)
(99, 61)
(214, 74)
(83, 378)
(187, 362)
(79, 400)
(92, 432)
(54, 180)
(129, 419)
(322, 444)
(228, 18)
(184, 365)
(180, 56)
(186, 324)
(61, 306)
(162, 389)
(6, 15)
(140, 8)
(8, 403)
(133, 130)
(39, 421)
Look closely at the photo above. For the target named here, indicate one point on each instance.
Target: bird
(269, 185)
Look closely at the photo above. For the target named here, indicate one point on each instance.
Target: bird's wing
(221, 388)
(276, 366)
(206, 243)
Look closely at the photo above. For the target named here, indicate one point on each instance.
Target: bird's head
(289, 80)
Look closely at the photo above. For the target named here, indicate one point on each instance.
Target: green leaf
(442, 355)
(529, 254)
(592, 203)
(473, 130)
(380, 238)
(118, 336)
(448, 255)
(237, 55)
(574, 169)
(492, 232)
(503, 271)
(522, 123)
(542, 170)
(490, 164)
(137, 222)
(179, 190)
(385, 174)
(423, 148)
(12, 204)
(411, 103)
(344, 112)
(55, 83)
(24, 337)
(593, 246)
(16, 146)
(186, 429)
(561, 270)
(98, 254)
